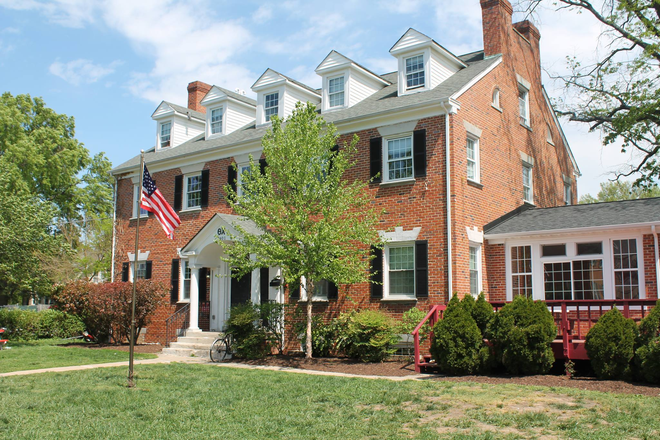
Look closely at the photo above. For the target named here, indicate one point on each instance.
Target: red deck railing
(573, 320)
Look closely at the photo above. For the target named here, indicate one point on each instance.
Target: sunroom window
(626, 275)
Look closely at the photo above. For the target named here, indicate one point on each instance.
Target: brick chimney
(496, 16)
(196, 92)
(531, 33)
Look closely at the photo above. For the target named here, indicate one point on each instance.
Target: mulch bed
(398, 368)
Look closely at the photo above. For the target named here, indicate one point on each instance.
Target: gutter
(657, 258)
(450, 273)
(507, 235)
(114, 228)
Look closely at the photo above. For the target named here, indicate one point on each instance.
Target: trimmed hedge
(647, 354)
(610, 345)
(30, 324)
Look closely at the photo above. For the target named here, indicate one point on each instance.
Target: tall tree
(316, 224)
(618, 93)
(620, 190)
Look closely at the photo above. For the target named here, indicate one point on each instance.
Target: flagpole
(131, 382)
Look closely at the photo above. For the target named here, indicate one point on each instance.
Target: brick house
(461, 142)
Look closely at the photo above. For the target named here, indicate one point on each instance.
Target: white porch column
(194, 296)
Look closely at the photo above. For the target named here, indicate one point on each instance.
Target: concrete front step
(187, 352)
(194, 344)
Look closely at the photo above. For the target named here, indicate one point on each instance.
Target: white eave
(420, 41)
(220, 96)
(166, 111)
(271, 78)
(561, 132)
(500, 238)
(345, 62)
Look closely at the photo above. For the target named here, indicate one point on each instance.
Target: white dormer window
(165, 130)
(415, 72)
(216, 121)
(271, 105)
(336, 92)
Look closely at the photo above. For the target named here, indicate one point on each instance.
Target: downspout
(450, 276)
(657, 260)
(114, 227)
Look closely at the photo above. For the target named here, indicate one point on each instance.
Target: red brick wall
(649, 267)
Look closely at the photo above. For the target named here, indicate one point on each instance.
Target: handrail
(433, 316)
(179, 320)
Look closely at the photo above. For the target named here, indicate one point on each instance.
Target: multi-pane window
(402, 270)
(271, 105)
(557, 280)
(136, 203)
(626, 275)
(141, 270)
(567, 194)
(528, 189)
(472, 159)
(165, 130)
(193, 191)
(523, 105)
(415, 72)
(185, 292)
(474, 270)
(336, 92)
(521, 270)
(216, 120)
(588, 279)
(242, 169)
(399, 158)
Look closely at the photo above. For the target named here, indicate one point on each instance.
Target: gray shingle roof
(186, 110)
(536, 220)
(384, 101)
(238, 96)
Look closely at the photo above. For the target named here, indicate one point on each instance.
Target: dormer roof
(414, 40)
(334, 61)
(168, 109)
(271, 78)
(218, 93)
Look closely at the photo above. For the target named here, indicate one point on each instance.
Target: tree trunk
(309, 290)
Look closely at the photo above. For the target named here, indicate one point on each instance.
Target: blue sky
(109, 63)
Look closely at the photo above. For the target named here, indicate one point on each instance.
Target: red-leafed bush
(105, 308)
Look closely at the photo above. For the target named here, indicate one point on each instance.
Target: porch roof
(528, 220)
(209, 232)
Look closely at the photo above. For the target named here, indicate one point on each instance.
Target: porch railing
(433, 316)
(177, 324)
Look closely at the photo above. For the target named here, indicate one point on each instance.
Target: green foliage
(620, 190)
(482, 313)
(647, 358)
(610, 345)
(256, 329)
(367, 335)
(649, 327)
(458, 346)
(307, 211)
(522, 333)
(324, 335)
(27, 325)
(271, 315)
(409, 321)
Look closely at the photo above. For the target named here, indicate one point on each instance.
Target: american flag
(153, 201)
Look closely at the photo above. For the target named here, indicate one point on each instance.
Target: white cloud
(69, 13)
(263, 14)
(82, 71)
(11, 30)
(381, 65)
(402, 6)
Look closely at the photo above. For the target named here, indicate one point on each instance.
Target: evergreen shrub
(522, 333)
(29, 324)
(324, 336)
(367, 335)
(610, 345)
(647, 354)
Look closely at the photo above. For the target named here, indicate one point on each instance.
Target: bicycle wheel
(229, 346)
(217, 352)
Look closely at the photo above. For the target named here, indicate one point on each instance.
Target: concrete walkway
(166, 359)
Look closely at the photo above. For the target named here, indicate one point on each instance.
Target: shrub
(482, 313)
(324, 336)
(367, 335)
(21, 324)
(272, 320)
(610, 345)
(409, 321)
(522, 333)
(647, 354)
(457, 345)
(252, 339)
(649, 327)
(57, 324)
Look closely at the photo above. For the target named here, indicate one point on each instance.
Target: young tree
(316, 224)
(619, 93)
(620, 190)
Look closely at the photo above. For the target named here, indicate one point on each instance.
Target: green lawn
(47, 354)
(204, 401)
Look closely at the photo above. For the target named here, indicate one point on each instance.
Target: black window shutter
(377, 273)
(147, 275)
(264, 284)
(231, 177)
(178, 192)
(124, 272)
(333, 291)
(174, 287)
(202, 285)
(333, 152)
(205, 188)
(419, 152)
(422, 268)
(294, 290)
(375, 157)
(262, 166)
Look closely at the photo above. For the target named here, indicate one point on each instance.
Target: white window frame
(523, 99)
(317, 297)
(279, 102)
(386, 169)
(221, 109)
(549, 136)
(184, 201)
(160, 134)
(568, 194)
(136, 202)
(475, 161)
(496, 98)
(131, 275)
(477, 248)
(422, 70)
(639, 269)
(343, 92)
(528, 185)
(185, 264)
(386, 272)
(240, 169)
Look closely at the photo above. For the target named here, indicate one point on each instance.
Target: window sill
(399, 299)
(183, 301)
(398, 182)
(196, 209)
(315, 300)
(475, 184)
(141, 217)
(527, 202)
(526, 126)
(499, 109)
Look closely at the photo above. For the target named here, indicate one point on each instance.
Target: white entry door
(219, 298)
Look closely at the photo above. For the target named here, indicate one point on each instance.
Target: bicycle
(222, 348)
